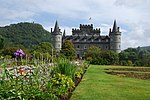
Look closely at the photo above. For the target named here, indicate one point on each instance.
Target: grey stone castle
(86, 36)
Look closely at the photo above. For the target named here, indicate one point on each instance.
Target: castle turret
(115, 38)
(57, 37)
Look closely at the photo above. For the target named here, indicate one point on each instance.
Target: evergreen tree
(68, 50)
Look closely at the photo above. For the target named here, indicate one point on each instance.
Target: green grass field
(97, 85)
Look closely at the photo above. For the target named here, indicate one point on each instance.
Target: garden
(38, 79)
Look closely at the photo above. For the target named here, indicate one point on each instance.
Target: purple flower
(19, 53)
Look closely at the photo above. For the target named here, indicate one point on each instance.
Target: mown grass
(97, 85)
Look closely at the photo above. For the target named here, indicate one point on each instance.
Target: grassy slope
(97, 85)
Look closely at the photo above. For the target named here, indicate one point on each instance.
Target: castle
(86, 36)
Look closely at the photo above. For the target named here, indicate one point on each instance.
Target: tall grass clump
(65, 67)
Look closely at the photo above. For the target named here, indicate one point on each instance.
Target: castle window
(58, 45)
(84, 47)
(78, 46)
(58, 38)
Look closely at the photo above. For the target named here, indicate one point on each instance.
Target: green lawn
(97, 85)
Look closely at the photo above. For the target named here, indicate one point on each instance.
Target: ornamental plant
(64, 66)
(61, 84)
(19, 53)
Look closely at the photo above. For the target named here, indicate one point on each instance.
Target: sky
(132, 16)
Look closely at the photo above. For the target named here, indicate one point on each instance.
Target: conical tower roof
(56, 28)
(114, 27)
(64, 33)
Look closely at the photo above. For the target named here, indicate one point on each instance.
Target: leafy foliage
(68, 50)
(44, 47)
(65, 67)
(10, 51)
(61, 84)
(96, 56)
(135, 56)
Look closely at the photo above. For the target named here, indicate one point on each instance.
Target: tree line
(128, 57)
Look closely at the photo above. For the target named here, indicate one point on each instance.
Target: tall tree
(68, 50)
(92, 52)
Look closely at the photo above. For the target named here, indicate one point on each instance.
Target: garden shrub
(61, 84)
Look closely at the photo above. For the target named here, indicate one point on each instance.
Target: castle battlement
(86, 26)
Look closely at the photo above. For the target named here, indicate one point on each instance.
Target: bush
(61, 84)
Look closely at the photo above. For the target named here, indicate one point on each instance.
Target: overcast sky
(133, 16)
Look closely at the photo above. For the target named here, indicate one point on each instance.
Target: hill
(146, 47)
(25, 34)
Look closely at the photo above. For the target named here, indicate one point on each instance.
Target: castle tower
(115, 38)
(57, 37)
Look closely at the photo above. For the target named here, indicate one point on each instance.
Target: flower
(22, 72)
(19, 53)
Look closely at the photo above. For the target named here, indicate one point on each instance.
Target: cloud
(138, 36)
(133, 3)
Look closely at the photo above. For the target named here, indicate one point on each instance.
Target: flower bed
(41, 81)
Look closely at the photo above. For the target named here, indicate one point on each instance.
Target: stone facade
(86, 36)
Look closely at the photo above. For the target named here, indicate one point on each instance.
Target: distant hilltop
(146, 48)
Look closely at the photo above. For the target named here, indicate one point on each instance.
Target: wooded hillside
(25, 34)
